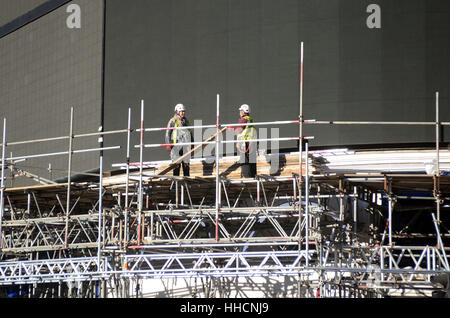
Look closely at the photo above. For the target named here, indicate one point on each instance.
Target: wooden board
(174, 164)
(229, 167)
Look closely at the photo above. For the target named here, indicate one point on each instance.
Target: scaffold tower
(331, 222)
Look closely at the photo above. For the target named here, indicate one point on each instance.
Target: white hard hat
(180, 107)
(245, 108)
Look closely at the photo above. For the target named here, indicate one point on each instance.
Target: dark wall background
(12, 9)
(170, 51)
(47, 68)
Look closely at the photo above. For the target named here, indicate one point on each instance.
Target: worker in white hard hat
(174, 136)
(246, 148)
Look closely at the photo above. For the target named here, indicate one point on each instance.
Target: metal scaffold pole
(127, 177)
(100, 202)
(300, 150)
(2, 199)
(307, 205)
(141, 154)
(438, 173)
(440, 244)
(69, 172)
(390, 210)
(355, 214)
(217, 166)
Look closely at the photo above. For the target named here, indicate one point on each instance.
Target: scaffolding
(330, 231)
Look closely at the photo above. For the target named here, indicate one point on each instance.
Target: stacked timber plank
(284, 165)
(279, 165)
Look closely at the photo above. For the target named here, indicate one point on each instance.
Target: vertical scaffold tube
(69, 172)
(437, 134)
(2, 200)
(300, 150)
(355, 213)
(390, 211)
(307, 204)
(388, 190)
(100, 201)
(128, 176)
(437, 190)
(141, 148)
(217, 167)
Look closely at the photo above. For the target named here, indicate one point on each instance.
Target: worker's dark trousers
(186, 168)
(176, 153)
(247, 161)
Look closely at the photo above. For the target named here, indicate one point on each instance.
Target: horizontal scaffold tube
(61, 153)
(225, 210)
(223, 141)
(285, 122)
(65, 137)
(339, 122)
(308, 121)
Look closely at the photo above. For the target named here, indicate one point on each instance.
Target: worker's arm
(169, 132)
(239, 129)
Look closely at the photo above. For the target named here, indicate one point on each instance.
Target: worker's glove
(169, 148)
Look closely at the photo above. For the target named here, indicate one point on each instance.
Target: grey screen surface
(12, 9)
(47, 68)
(187, 51)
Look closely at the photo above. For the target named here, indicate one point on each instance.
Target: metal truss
(57, 270)
(48, 234)
(383, 269)
(385, 265)
(258, 240)
(235, 224)
(383, 261)
(214, 264)
(39, 224)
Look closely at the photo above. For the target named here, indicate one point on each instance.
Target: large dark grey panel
(27, 15)
(46, 69)
(170, 51)
(12, 9)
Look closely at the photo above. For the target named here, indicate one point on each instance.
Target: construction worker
(174, 136)
(246, 148)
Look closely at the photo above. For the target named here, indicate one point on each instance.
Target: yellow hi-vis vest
(247, 134)
(176, 132)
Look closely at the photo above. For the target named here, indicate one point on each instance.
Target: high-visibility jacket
(249, 131)
(173, 136)
(247, 134)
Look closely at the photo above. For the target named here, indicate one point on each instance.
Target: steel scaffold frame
(97, 236)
